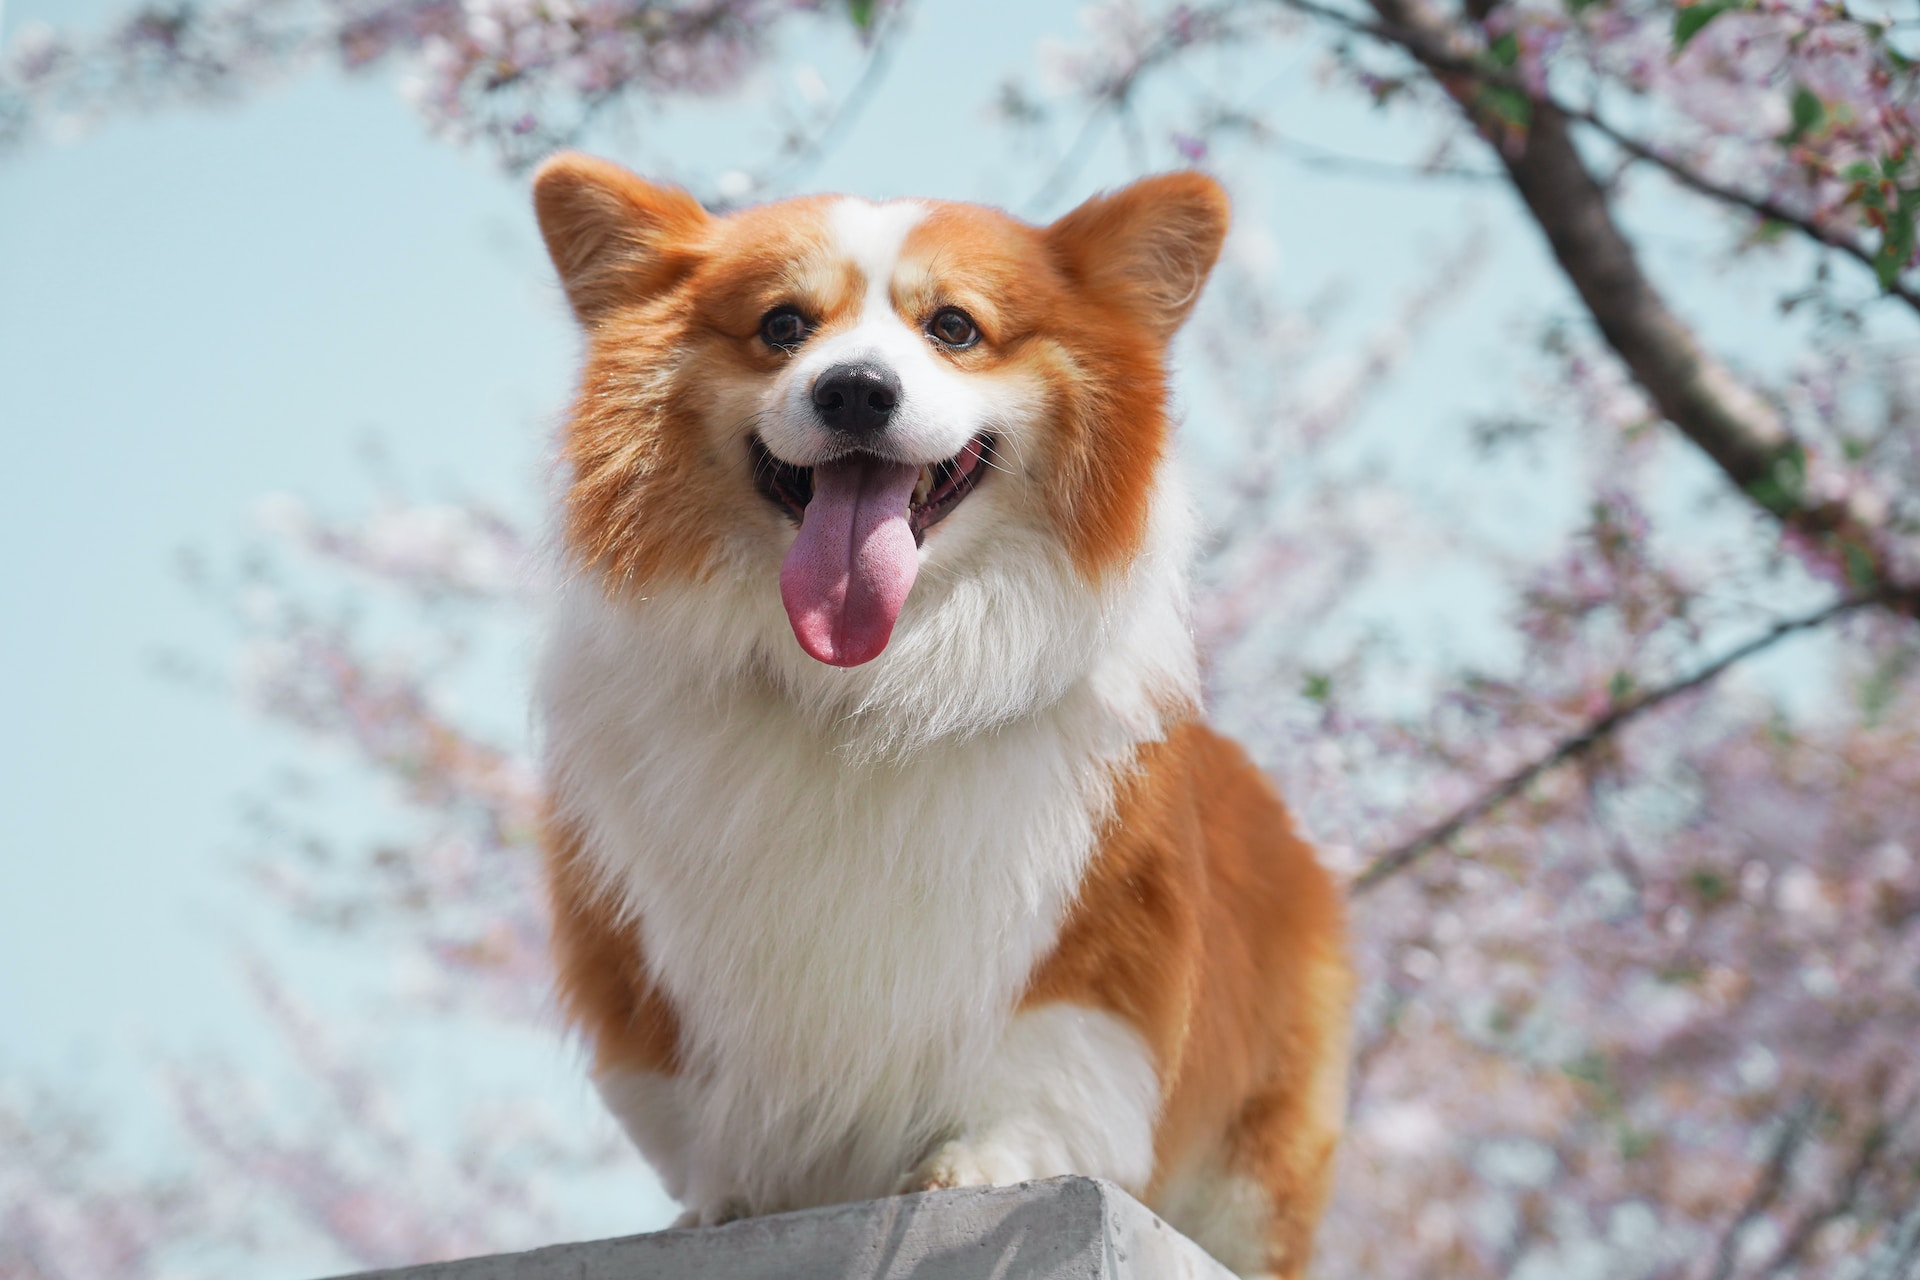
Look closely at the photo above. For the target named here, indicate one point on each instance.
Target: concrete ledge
(1061, 1229)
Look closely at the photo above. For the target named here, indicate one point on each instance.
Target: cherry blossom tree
(1642, 982)
(521, 76)
(1636, 889)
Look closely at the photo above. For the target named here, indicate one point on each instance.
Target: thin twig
(1741, 431)
(810, 150)
(1327, 160)
(1422, 50)
(1076, 155)
(1865, 1156)
(1596, 732)
(1757, 205)
(1112, 99)
(1773, 1179)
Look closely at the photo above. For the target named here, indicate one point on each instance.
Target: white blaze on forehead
(871, 236)
(940, 408)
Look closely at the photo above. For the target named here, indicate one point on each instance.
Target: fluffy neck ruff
(845, 877)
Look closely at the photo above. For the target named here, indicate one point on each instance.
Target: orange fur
(1202, 920)
(1209, 925)
(600, 968)
(680, 301)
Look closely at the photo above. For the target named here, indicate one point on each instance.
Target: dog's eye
(783, 327)
(954, 327)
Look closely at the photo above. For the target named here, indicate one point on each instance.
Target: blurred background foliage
(1553, 418)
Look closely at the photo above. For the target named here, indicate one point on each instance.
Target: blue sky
(198, 309)
(204, 306)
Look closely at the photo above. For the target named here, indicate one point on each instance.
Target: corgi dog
(887, 847)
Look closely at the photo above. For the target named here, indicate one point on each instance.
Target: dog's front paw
(716, 1214)
(965, 1162)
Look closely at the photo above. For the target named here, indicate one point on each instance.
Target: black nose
(856, 398)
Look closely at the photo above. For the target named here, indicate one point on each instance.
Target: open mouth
(940, 488)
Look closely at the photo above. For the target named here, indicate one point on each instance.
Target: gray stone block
(1060, 1229)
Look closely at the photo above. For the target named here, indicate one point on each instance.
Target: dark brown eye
(954, 327)
(783, 327)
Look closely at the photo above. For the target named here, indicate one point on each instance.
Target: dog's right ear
(614, 236)
(1147, 248)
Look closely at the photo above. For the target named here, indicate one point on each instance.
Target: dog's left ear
(614, 237)
(1146, 248)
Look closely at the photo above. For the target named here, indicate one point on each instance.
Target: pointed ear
(613, 235)
(1148, 247)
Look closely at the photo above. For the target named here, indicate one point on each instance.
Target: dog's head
(853, 408)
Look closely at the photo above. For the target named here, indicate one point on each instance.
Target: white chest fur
(843, 933)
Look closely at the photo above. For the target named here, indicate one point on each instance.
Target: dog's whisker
(992, 446)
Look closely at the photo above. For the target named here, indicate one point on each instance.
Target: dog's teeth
(925, 487)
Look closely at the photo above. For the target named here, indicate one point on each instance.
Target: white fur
(940, 409)
(1070, 1090)
(845, 877)
(648, 1106)
(1224, 1213)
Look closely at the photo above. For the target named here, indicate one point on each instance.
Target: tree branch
(1773, 1179)
(1865, 1156)
(1326, 160)
(1597, 731)
(1470, 62)
(1740, 431)
(1760, 206)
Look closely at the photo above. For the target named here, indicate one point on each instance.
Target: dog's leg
(1072, 1089)
(604, 988)
(1253, 1199)
(649, 1106)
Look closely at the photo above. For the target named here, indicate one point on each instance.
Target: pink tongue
(852, 564)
